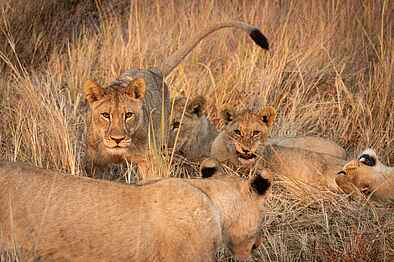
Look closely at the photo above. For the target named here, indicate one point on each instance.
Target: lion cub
(191, 133)
(367, 175)
(242, 145)
(55, 217)
(243, 134)
(130, 116)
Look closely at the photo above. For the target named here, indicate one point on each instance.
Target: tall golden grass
(330, 72)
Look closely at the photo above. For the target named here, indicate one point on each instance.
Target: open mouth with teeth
(246, 158)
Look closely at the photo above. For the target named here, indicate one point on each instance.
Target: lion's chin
(247, 162)
(117, 150)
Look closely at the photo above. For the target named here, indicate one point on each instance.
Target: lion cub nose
(117, 139)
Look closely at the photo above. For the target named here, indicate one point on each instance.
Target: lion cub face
(191, 133)
(366, 174)
(116, 116)
(241, 202)
(243, 135)
(187, 118)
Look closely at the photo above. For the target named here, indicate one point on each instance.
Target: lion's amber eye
(237, 132)
(256, 132)
(106, 115)
(175, 125)
(129, 115)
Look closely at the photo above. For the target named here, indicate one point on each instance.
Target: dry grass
(329, 73)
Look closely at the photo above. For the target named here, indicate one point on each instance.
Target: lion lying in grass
(192, 134)
(301, 168)
(53, 217)
(312, 143)
(130, 115)
(242, 145)
(367, 175)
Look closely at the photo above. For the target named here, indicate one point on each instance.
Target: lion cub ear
(93, 91)
(267, 114)
(136, 88)
(196, 106)
(228, 114)
(261, 182)
(210, 167)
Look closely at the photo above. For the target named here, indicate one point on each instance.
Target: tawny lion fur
(243, 134)
(131, 114)
(369, 176)
(303, 168)
(312, 143)
(191, 133)
(58, 217)
(238, 147)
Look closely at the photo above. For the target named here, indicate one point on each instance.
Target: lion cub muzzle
(245, 155)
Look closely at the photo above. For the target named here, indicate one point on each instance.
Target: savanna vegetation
(329, 73)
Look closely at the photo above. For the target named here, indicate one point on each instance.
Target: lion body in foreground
(57, 217)
(191, 133)
(128, 119)
(367, 175)
(312, 143)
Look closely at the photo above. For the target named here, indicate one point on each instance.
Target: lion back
(156, 105)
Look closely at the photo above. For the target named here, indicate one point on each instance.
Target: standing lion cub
(130, 115)
(53, 217)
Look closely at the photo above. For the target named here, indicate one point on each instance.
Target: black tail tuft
(259, 39)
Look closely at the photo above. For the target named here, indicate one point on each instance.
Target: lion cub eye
(256, 132)
(175, 125)
(237, 132)
(106, 115)
(128, 115)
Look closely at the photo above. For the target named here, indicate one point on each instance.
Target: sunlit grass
(329, 73)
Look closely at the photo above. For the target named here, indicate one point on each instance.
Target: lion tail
(171, 62)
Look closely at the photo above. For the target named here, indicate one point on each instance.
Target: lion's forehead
(116, 102)
(250, 122)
